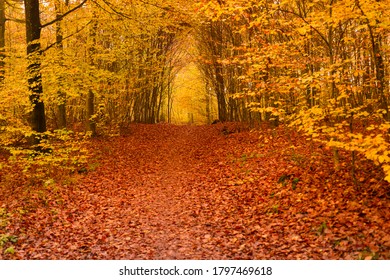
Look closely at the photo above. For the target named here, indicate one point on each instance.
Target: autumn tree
(60, 9)
(317, 65)
(2, 40)
(34, 52)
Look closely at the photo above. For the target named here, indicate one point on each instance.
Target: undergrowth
(59, 153)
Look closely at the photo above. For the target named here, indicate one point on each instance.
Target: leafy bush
(59, 152)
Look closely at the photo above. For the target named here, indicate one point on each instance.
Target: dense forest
(208, 112)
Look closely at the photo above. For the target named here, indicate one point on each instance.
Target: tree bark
(91, 124)
(33, 36)
(61, 122)
(2, 40)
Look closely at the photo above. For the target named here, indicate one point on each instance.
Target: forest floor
(202, 192)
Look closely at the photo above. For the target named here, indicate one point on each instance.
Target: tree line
(95, 64)
(320, 66)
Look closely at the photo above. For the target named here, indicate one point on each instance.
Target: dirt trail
(142, 202)
(166, 193)
(171, 191)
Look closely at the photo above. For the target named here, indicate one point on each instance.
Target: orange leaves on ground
(198, 192)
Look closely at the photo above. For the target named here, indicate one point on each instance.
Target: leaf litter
(203, 192)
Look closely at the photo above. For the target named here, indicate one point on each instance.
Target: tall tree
(34, 52)
(90, 121)
(59, 7)
(2, 40)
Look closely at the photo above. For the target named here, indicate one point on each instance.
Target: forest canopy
(194, 129)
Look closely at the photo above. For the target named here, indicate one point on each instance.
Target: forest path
(165, 193)
(192, 192)
(147, 199)
(158, 182)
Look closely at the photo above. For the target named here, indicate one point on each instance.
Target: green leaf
(10, 250)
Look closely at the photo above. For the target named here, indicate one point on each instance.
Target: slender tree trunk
(2, 41)
(33, 36)
(60, 48)
(208, 102)
(222, 110)
(380, 73)
(169, 103)
(378, 62)
(91, 124)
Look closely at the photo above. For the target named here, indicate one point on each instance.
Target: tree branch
(308, 23)
(64, 15)
(15, 20)
(14, 5)
(113, 9)
(70, 35)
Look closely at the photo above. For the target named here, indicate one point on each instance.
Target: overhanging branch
(70, 35)
(64, 15)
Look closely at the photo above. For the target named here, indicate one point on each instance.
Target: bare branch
(308, 23)
(17, 20)
(15, 5)
(113, 9)
(64, 15)
(70, 35)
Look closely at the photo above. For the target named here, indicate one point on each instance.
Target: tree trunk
(376, 39)
(222, 110)
(2, 41)
(61, 122)
(380, 73)
(91, 124)
(33, 36)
